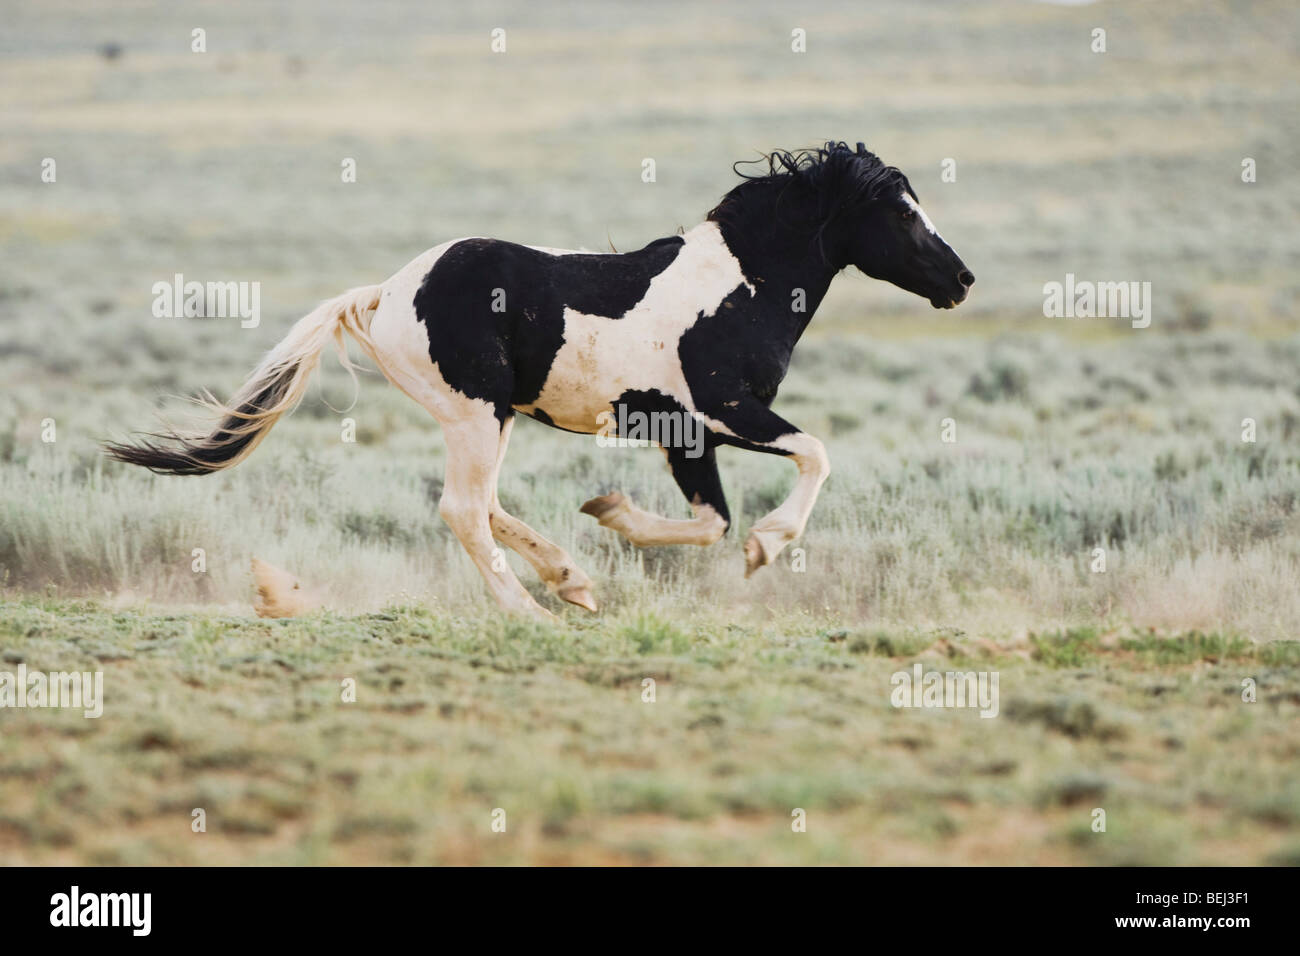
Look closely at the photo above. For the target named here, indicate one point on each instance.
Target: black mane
(840, 178)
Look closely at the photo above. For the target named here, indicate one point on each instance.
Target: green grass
(455, 717)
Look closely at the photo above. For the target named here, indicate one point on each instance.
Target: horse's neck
(784, 266)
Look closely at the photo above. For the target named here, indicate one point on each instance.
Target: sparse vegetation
(1120, 689)
(456, 716)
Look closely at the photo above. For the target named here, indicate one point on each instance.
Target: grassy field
(1120, 689)
(455, 718)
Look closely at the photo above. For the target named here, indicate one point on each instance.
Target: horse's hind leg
(468, 495)
(552, 563)
(698, 479)
(473, 435)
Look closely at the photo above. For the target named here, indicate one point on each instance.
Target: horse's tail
(273, 389)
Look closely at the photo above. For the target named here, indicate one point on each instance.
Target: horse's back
(556, 333)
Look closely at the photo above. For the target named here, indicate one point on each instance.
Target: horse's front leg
(697, 476)
(748, 423)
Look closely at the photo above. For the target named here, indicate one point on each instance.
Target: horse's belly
(601, 360)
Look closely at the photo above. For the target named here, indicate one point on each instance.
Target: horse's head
(890, 237)
(846, 208)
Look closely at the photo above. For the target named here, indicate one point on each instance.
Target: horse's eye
(908, 215)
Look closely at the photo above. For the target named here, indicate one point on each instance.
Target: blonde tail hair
(274, 388)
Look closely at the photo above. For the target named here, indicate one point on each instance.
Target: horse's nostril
(966, 278)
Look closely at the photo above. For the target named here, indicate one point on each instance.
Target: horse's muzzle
(965, 279)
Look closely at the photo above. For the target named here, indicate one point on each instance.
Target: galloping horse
(699, 325)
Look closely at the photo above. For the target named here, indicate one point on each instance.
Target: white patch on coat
(916, 207)
(603, 357)
(402, 344)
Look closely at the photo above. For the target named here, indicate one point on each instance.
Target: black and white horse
(700, 324)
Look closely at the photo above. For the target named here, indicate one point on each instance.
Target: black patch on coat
(539, 415)
(699, 480)
(734, 361)
(494, 310)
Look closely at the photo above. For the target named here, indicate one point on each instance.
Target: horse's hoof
(279, 593)
(580, 596)
(600, 507)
